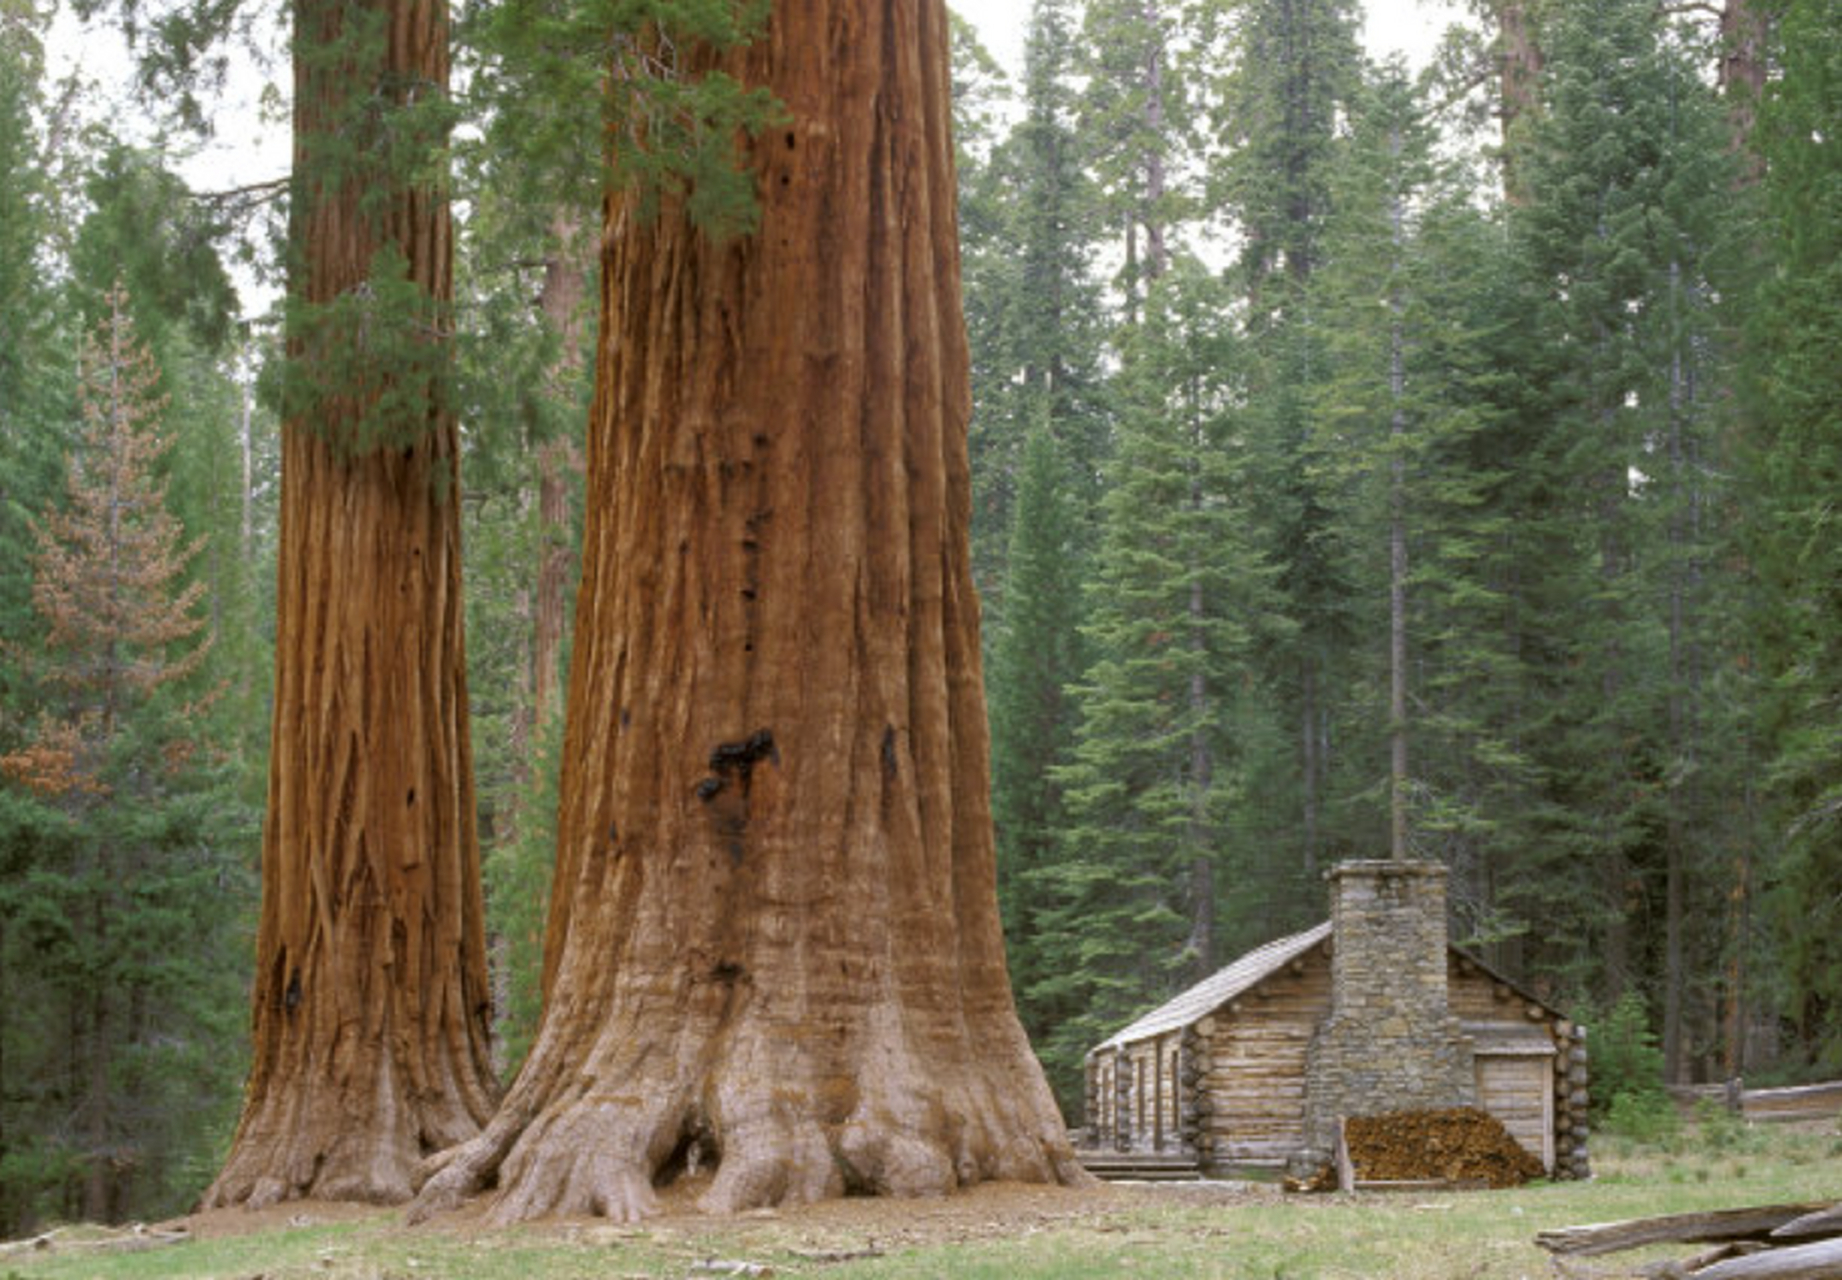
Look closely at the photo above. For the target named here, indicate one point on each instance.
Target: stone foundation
(1390, 1042)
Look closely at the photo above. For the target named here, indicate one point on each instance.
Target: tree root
(605, 1157)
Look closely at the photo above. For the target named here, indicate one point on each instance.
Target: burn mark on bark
(738, 759)
(751, 574)
(734, 763)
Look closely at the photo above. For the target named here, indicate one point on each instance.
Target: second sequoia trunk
(371, 1006)
(773, 946)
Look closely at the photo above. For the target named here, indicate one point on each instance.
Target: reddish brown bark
(371, 1004)
(1519, 61)
(1744, 29)
(775, 923)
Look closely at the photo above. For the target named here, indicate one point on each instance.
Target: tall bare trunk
(775, 916)
(1519, 66)
(1201, 946)
(371, 1005)
(246, 525)
(1743, 64)
(1157, 256)
(1310, 764)
(97, 1175)
(1397, 535)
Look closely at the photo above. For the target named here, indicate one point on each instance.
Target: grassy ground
(1220, 1230)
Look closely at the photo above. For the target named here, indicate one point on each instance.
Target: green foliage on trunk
(630, 82)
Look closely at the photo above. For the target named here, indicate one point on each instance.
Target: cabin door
(1518, 1089)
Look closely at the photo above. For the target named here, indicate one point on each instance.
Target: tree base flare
(611, 1157)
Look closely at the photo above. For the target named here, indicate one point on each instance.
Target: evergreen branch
(250, 195)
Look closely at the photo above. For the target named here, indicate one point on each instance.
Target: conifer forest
(576, 472)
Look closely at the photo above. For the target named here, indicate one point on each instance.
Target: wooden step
(1140, 1166)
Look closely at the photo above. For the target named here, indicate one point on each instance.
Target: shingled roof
(1219, 988)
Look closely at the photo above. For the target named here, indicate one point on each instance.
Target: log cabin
(1371, 1012)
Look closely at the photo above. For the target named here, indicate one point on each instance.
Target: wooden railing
(1800, 1102)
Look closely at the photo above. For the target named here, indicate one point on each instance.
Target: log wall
(1256, 1065)
(1230, 1087)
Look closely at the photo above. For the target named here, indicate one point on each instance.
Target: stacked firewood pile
(1768, 1242)
(1462, 1145)
(1457, 1147)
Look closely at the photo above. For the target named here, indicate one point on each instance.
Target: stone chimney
(1390, 1042)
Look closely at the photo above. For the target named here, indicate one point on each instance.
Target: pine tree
(1034, 310)
(1039, 436)
(1036, 657)
(1294, 71)
(33, 381)
(1389, 418)
(133, 794)
(1796, 471)
(1616, 246)
(145, 227)
(1128, 907)
(1136, 118)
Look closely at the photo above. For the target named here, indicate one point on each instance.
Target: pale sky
(1412, 27)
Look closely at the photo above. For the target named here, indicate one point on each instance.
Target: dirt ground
(988, 1211)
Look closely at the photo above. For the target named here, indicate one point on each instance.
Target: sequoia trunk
(371, 1002)
(773, 942)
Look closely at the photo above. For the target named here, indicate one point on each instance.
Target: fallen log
(1754, 1223)
(1824, 1222)
(1819, 1261)
(1684, 1268)
(131, 1239)
(1795, 1102)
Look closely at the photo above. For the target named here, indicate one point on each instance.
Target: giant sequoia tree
(773, 944)
(371, 1004)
